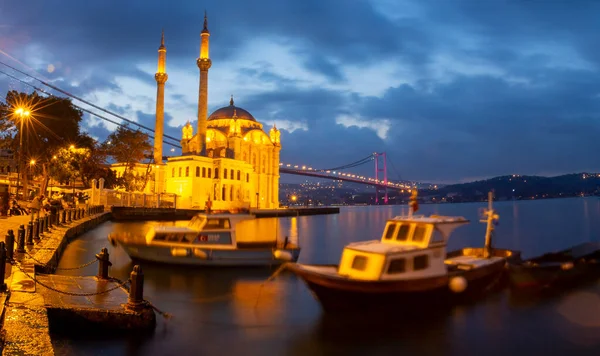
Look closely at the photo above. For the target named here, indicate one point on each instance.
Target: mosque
(229, 163)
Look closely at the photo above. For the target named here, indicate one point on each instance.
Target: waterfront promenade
(26, 307)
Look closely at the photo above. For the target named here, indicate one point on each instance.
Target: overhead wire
(86, 110)
(80, 99)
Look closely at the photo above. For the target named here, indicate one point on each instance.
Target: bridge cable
(80, 108)
(82, 100)
(349, 165)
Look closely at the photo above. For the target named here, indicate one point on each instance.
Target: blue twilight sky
(452, 90)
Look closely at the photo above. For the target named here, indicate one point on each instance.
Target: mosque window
(217, 173)
(245, 156)
(238, 175)
(179, 172)
(203, 172)
(231, 196)
(187, 171)
(247, 177)
(209, 172)
(225, 173)
(224, 190)
(173, 172)
(197, 171)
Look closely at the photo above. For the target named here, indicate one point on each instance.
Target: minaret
(161, 78)
(204, 64)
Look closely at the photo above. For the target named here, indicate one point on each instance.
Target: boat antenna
(491, 218)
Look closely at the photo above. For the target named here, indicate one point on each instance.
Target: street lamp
(22, 114)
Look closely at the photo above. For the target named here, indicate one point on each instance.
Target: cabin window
(419, 234)
(397, 266)
(359, 263)
(173, 172)
(187, 171)
(189, 238)
(179, 171)
(197, 171)
(158, 237)
(217, 224)
(403, 232)
(203, 172)
(238, 175)
(420, 262)
(389, 232)
(173, 237)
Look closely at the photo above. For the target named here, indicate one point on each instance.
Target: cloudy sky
(452, 90)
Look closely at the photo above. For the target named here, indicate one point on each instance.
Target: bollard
(136, 290)
(21, 239)
(103, 263)
(29, 238)
(36, 230)
(10, 245)
(41, 227)
(2, 266)
(63, 219)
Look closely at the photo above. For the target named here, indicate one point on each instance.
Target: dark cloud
(519, 95)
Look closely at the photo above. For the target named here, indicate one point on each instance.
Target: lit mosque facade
(229, 162)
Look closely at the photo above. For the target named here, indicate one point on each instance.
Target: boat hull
(338, 294)
(559, 270)
(209, 257)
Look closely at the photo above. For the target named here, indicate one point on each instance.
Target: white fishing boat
(208, 239)
(408, 267)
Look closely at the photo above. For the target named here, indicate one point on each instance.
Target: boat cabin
(203, 230)
(410, 247)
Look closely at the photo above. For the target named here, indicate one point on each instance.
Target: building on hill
(229, 163)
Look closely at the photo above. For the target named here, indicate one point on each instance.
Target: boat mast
(413, 204)
(491, 217)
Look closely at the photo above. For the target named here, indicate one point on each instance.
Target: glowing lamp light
(32, 162)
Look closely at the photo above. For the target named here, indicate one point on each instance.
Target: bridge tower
(381, 170)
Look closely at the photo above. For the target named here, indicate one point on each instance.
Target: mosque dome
(227, 112)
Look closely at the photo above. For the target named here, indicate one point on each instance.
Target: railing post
(136, 290)
(103, 263)
(41, 222)
(64, 217)
(2, 266)
(36, 229)
(50, 220)
(29, 239)
(20, 239)
(10, 245)
(69, 216)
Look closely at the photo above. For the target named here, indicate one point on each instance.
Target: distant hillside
(518, 187)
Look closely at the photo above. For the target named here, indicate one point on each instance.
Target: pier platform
(120, 213)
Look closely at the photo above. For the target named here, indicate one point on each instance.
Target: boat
(208, 240)
(408, 267)
(559, 269)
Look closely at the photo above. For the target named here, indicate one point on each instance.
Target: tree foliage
(130, 148)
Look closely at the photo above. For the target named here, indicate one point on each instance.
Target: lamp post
(22, 114)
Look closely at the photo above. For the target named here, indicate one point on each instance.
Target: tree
(130, 147)
(52, 125)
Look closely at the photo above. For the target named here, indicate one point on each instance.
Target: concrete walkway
(13, 222)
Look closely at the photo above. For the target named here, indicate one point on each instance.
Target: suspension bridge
(380, 181)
